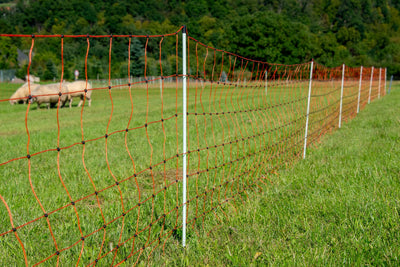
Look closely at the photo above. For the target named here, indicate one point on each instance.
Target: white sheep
(77, 89)
(49, 94)
(22, 92)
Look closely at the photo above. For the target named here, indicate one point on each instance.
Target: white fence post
(184, 137)
(341, 97)
(379, 86)
(308, 109)
(385, 79)
(370, 85)
(359, 90)
(266, 82)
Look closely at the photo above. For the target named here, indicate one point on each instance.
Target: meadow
(339, 206)
(111, 174)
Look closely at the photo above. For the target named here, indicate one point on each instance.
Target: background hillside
(280, 31)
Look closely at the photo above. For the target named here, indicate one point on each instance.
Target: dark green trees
(283, 31)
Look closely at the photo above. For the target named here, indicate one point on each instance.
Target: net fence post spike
(184, 137)
(359, 90)
(379, 83)
(308, 109)
(370, 84)
(341, 97)
(385, 79)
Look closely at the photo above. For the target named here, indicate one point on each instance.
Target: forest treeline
(354, 32)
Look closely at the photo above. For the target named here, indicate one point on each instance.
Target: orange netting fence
(103, 184)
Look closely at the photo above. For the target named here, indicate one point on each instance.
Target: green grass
(269, 125)
(339, 206)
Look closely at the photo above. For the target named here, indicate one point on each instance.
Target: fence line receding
(103, 184)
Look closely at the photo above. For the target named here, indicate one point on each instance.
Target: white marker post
(341, 97)
(308, 109)
(370, 85)
(266, 82)
(379, 86)
(359, 90)
(184, 138)
(385, 79)
(76, 74)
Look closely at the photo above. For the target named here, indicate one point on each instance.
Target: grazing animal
(49, 94)
(77, 89)
(22, 92)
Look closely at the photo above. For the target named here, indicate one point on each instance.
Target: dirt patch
(91, 202)
(161, 179)
(169, 175)
(11, 133)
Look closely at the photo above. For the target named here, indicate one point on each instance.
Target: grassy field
(274, 123)
(340, 206)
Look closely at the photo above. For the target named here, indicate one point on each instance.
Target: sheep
(22, 92)
(77, 89)
(49, 94)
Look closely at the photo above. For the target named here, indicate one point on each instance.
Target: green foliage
(282, 41)
(137, 56)
(50, 71)
(22, 71)
(8, 54)
(282, 31)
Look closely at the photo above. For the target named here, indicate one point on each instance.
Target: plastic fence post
(308, 109)
(385, 79)
(379, 86)
(266, 82)
(184, 137)
(341, 97)
(390, 84)
(370, 85)
(359, 90)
